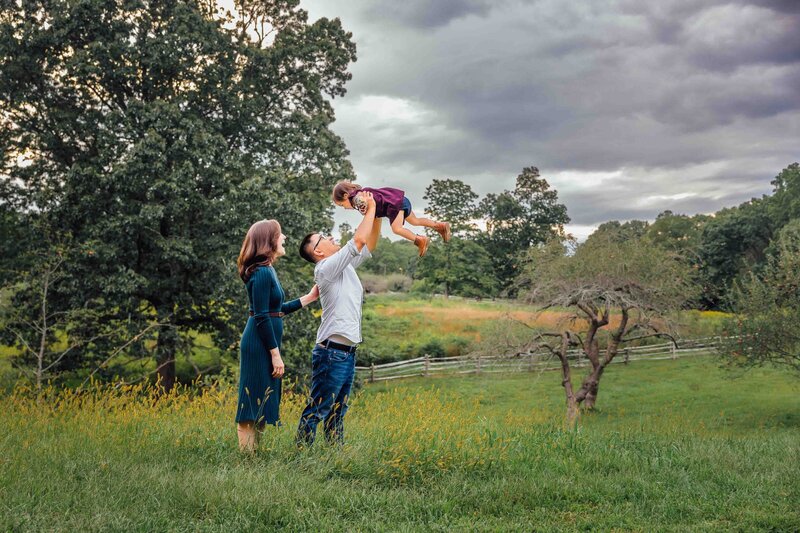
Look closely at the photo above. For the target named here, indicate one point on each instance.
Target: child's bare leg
(442, 228)
(420, 241)
(398, 229)
(414, 220)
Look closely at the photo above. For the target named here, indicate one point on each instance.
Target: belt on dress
(276, 315)
(339, 346)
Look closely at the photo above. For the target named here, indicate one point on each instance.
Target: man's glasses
(321, 236)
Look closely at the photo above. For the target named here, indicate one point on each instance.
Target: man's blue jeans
(332, 374)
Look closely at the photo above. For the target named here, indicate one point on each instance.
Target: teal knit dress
(259, 392)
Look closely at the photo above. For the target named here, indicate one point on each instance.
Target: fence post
(478, 365)
(627, 355)
(530, 361)
(673, 351)
(427, 366)
(372, 372)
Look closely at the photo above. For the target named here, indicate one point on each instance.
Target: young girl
(392, 204)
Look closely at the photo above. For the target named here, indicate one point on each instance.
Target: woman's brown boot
(443, 229)
(421, 242)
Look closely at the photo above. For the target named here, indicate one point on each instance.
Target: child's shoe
(443, 229)
(421, 242)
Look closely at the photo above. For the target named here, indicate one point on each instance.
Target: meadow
(675, 446)
(396, 327)
(404, 326)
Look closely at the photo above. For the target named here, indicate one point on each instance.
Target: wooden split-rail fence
(535, 361)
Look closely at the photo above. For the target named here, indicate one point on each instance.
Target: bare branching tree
(627, 290)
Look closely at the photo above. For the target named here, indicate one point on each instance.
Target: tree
(784, 205)
(517, 220)
(638, 280)
(155, 133)
(455, 202)
(345, 232)
(767, 309)
(677, 233)
(732, 243)
(620, 232)
(392, 257)
(461, 268)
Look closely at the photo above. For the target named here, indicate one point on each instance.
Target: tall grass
(677, 445)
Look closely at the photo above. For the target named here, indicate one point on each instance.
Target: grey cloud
(425, 14)
(781, 6)
(618, 201)
(731, 35)
(589, 85)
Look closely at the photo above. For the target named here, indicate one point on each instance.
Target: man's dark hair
(305, 253)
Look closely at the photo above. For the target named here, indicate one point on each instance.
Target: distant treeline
(722, 248)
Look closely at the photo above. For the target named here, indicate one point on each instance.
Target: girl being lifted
(392, 204)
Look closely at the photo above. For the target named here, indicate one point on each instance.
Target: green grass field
(676, 446)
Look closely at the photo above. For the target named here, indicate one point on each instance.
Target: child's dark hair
(343, 189)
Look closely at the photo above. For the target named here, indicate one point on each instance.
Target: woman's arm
(262, 288)
(299, 303)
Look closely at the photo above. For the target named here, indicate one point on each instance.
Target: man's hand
(365, 226)
(368, 198)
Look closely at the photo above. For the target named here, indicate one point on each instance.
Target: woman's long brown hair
(259, 247)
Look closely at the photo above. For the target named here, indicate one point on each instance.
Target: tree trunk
(587, 395)
(573, 412)
(165, 357)
(592, 386)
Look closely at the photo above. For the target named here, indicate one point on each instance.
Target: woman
(260, 363)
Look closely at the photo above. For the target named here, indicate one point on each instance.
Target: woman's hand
(277, 365)
(312, 296)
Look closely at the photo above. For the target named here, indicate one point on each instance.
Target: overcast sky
(628, 107)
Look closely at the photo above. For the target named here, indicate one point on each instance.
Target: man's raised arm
(364, 229)
(375, 234)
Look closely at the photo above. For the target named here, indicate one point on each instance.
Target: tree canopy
(151, 134)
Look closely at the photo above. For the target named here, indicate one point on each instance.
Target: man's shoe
(421, 242)
(443, 229)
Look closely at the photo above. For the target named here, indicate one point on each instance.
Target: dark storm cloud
(656, 91)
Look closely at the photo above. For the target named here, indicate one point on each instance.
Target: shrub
(373, 283)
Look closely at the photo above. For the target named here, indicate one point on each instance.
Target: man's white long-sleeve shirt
(341, 293)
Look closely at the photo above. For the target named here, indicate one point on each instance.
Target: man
(333, 357)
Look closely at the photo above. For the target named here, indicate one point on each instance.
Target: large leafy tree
(460, 267)
(677, 233)
(453, 201)
(764, 329)
(732, 243)
(785, 202)
(393, 257)
(616, 231)
(518, 219)
(153, 133)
